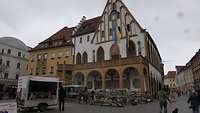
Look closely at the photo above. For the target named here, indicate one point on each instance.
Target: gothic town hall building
(113, 51)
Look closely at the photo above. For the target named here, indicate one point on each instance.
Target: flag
(114, 24)
(119, 35)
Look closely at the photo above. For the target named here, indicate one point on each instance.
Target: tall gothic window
(131, 49)
(78, 58)
(93, 55)
(128, 27)
(100, 54)
(85, 58)
(139, 48)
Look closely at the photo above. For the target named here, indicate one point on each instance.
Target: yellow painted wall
(32, 65)
(171, 82)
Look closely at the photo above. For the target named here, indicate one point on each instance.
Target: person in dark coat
(86, 94)
(163, 97)
(61, 99)
(194, 100)
(92, 96)
(80, 96)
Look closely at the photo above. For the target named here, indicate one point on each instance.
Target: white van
(37, 92)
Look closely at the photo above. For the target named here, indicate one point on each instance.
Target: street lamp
(95, 80)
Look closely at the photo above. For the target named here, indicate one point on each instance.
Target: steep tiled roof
(179, 68)
(64, 35)
(171, 74)
(88, 26)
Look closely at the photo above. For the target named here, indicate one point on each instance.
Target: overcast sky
(173, 24)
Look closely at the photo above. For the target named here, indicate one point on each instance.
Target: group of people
(193, 100)
(163, 97)
(84, 96)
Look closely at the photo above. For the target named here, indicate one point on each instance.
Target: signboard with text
(9, 107)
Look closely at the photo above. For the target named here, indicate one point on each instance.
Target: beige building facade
(170, 80)
(47, 55)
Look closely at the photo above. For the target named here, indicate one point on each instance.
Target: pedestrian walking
(80, 96)
(61, 99)
(86, 95)
(163, 97)
(92, 96)
(194, 101)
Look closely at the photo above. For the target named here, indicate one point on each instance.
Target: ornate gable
(115, 10)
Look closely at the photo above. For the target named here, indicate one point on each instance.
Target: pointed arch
(131, 49)
(100, 54)
(78, 58)
(85, 58)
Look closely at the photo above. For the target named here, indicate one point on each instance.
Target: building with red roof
(170, 79)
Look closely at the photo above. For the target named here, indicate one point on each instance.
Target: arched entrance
(131, 79)
(94, 80)
(112, 79)
(79, 79)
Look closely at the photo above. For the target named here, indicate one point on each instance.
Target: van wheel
(42, 107)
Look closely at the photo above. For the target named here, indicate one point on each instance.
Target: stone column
(120, 79)
(148, 83)
(102, 78)
(141, 78)
(103, 82)
(93, 85)
(85, 80)
(72, 78)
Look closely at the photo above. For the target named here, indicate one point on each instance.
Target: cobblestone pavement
(181, 104)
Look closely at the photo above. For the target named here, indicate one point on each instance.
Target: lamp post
(95, 80)
(112, 83)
